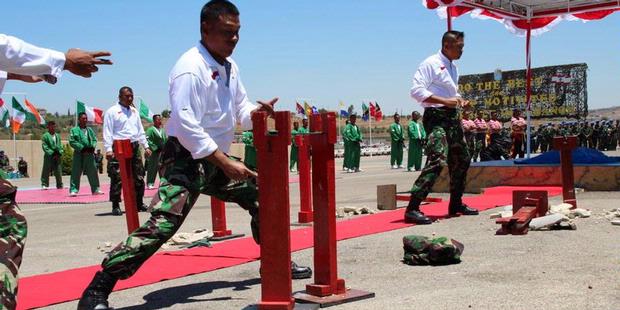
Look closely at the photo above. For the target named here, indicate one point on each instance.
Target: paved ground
(543, 270)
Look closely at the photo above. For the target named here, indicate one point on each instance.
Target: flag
(33, 114)
(94, 115)
(315, 110)
(308, 109)
(300, 109)
(4, 115)
(372, 109)
(19, 115)
(365, 112)
(341, 104)
(378, 113)
(344, 113)
(145, 112)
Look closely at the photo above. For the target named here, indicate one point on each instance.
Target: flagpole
(12, 113)
(370, 131)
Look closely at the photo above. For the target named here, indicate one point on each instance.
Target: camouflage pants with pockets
(13, 232)
(183, 179)
(137, 167)
(446, 147)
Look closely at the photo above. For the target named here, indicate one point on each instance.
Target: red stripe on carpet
(61, 196)
(43, 290)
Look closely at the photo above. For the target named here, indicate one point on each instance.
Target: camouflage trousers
(470, 142)
(479, 144)
(13, 231)
(137, 167)
(446, 147)
(183, 179)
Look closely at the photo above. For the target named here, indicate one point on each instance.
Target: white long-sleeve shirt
(436, 75)
(207, 100)
(17, 56)
(121, 123)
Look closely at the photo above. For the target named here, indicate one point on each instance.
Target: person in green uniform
(416, 135)
(83, 141)
(353, 137)
(156, 137)
(249, 157)
(52, 151)
(293, 160)
(345, 155)
(99, 161)
(398, 142)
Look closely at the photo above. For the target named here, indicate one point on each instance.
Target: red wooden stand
(526, 205)
(565, 146)
(275, 234)
(123, 152)
(327, 289)
(305, 181)
(218, 220)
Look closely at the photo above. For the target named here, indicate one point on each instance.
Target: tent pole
(449, 14)
(528, 91)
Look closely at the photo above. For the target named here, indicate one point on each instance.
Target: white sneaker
(349, 170)
(394, 167)
(98, 192)
(44, 188)
(400, 166)
(358, 170)
(73, 194)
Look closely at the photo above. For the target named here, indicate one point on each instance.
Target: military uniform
(352, 139)
(417, 135)
(480, 137)
(83, 141)
(156, 138)
(99, 162)
(249, 156)
(52, 164)
(397, 143)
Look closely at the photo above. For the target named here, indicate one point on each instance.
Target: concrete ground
(542, 270)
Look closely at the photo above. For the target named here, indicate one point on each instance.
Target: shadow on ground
(185, 294)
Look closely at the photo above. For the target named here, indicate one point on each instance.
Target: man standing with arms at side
(518, 126)
(416, 135)
(52, 151)
(294, 149)
(435, 88)
(398, 141)
(480, 134)
(83, 141)
(122, 122)
(22, 61)
(194, 159)
(353, 137)
(156, 137)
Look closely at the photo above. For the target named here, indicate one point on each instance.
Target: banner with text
(557, 91)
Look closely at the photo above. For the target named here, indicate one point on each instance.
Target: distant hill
(605, 113)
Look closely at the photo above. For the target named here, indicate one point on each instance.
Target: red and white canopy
(519, 15)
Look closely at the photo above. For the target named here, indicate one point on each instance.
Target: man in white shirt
(207, 100)
(25, 62)
(122, 122)
(435, 87)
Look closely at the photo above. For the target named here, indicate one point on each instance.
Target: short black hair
(81, 113)
(213, 9)
(156, 115)
(51, 123)
(120, 91)
(452, 35)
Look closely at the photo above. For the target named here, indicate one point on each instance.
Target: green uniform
(398, 142)
(345, 155)
(416, 134)
(156, 139)
(249, 157)
(446, 147)
(83, 142)
(183, 180)
(294, 150)
(52, 152)
(13, 232)
(353, 138)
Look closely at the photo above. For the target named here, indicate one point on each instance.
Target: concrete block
(615, 222)
(386, 197)
(563, 208)
(546, 221)
(581, 212)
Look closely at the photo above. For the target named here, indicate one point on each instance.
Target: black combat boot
(116, 209)
(457, 207)
(300, 272)
(414, 215)
(141, 206)
(95, 297)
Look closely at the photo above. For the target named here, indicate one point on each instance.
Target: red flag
(378, 113)
(372, 109)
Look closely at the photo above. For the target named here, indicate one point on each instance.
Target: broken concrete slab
(546, 221)
(615, 222)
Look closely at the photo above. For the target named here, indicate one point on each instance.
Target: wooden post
(123, 152)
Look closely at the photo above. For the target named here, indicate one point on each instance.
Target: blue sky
(324, 51)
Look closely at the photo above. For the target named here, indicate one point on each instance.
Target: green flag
(145, 112)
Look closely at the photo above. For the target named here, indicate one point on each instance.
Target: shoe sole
(418, 222)
(303, 275)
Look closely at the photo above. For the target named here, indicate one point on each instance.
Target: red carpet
(43, 290)
(61, 196)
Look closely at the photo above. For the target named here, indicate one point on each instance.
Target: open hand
(85, 63)
(267, 106)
